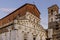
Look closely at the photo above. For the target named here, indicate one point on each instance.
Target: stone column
(8, 36)
(30, 36)
(43, 38)
(3, 36)
(13, 35)
(40, 37)
(20, 35)
(37, 37)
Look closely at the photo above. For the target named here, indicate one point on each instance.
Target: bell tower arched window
(51, 19)
(51, 12)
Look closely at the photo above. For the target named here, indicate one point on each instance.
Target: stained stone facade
(22, 24)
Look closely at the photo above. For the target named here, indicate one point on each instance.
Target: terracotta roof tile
(21, 11)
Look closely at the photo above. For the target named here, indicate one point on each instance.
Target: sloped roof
(20, 11)
(53, 6)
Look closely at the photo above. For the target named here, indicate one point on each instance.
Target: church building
(23, 24)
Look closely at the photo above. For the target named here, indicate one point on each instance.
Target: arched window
(51, 12)
(34, 37)
(25, 39)
(51, 19)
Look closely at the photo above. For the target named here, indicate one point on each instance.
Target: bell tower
(52, 24)
(52, 12)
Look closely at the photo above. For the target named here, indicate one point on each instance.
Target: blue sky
(7, 6)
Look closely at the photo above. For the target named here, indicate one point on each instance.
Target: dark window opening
(34, 38)
(25, 39)
(51, 12)
(57, 27)
(51, 19)
(58, 37)
(47, 38)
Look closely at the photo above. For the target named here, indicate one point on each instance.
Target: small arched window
(51, 12)
(34, 37)
(51, 19)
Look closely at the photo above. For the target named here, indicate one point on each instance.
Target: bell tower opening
(51, 12)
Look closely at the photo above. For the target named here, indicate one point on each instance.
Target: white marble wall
(21, 27)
